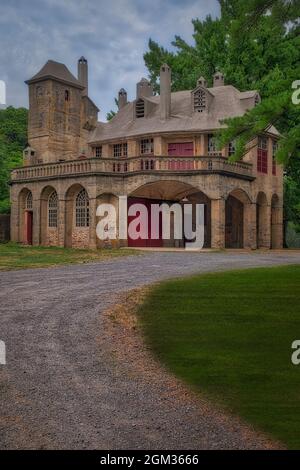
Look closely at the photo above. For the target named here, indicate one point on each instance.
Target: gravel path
(61, 388)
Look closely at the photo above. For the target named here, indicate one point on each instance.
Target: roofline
(52, 77)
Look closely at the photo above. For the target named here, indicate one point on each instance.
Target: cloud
(113, 35)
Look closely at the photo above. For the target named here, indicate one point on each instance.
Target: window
(147, 147)
(211, 147)
(140, 109)
(274, 150)
(82, 209)
(262, 155)
(67, 95)
(120, 150)
(52, 209)
(29, 201)
(98, 152)
(231, 149)
(199, 101)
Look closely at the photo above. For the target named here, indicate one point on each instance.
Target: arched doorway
(170, 192)
(25, 217)
(276, 223)
(49, 216)
(262, 221)
(77, 220)
(235, 214)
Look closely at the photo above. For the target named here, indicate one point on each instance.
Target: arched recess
(77, 217)
(25, 204)
(262, 221)
(170, 192)
(236, 224)
(276, 223)
(49, 216)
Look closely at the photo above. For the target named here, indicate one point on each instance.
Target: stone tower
(55, 114)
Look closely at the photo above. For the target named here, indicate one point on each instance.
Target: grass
(15, 256)
(229, 336)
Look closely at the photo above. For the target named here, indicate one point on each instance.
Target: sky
(112, 35)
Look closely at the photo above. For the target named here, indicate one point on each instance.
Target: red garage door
(140, 242)
(184, 149)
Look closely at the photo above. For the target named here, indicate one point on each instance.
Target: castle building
(156, 148)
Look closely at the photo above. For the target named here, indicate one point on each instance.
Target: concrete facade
(73, 162)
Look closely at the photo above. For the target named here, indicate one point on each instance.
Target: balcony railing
(134, 165)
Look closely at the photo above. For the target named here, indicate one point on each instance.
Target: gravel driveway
(60, 389)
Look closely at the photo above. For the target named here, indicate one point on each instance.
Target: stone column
(36, 213)
(218, 223)
(250, 237)
(61, 222)
(93, 223)
(276, 228)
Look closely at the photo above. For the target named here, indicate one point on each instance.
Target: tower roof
(56, 71)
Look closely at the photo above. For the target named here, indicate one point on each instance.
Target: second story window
(274, 150)
(98, 152)
(231, 149)
(262, 155)
(147, 147)
(211, 146)
(120, 150)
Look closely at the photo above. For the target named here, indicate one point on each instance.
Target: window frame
(82, 209)
(147, 146)
(262, 155)
(53, 210)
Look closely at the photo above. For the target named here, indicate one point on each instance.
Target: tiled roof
(227, 102)
(56, 70)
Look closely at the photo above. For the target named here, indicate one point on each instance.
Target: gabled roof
(227, 102)
(57, 71)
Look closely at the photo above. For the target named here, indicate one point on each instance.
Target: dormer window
(200, 102)
(140, 109)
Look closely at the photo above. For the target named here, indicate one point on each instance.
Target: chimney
(218, 79)
(165, 92)
(83, 74)
(143, 89)
(122, 98)
(202, 82)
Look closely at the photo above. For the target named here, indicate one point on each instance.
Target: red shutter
(184, 149)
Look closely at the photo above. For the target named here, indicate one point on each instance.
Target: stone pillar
(250, 238)
(14, 216)
(93, 223)
(276, 228)
(61, 222)
(36, 229)
(264, 226)
(218, 223)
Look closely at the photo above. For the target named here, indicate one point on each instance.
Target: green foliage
(13, 138)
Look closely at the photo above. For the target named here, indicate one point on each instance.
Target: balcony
(127, 166)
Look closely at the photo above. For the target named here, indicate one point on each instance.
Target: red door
(28, 227)
(184, 149)
(149, 242)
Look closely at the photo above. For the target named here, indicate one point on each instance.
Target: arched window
(82, 209)
(29, 201)
(140, 109)
(199, 101)
(52, 209)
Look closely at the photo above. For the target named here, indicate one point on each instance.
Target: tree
(13, 139)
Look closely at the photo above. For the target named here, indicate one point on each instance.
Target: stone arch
(276, 223)
(25, 216)
(171, 191)
(49, 223)
(237, 207)
(262, 221)
(77, 230)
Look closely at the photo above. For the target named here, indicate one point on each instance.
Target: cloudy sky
(111, 34)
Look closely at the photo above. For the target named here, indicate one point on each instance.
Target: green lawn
(229, 335)
(15, 256)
